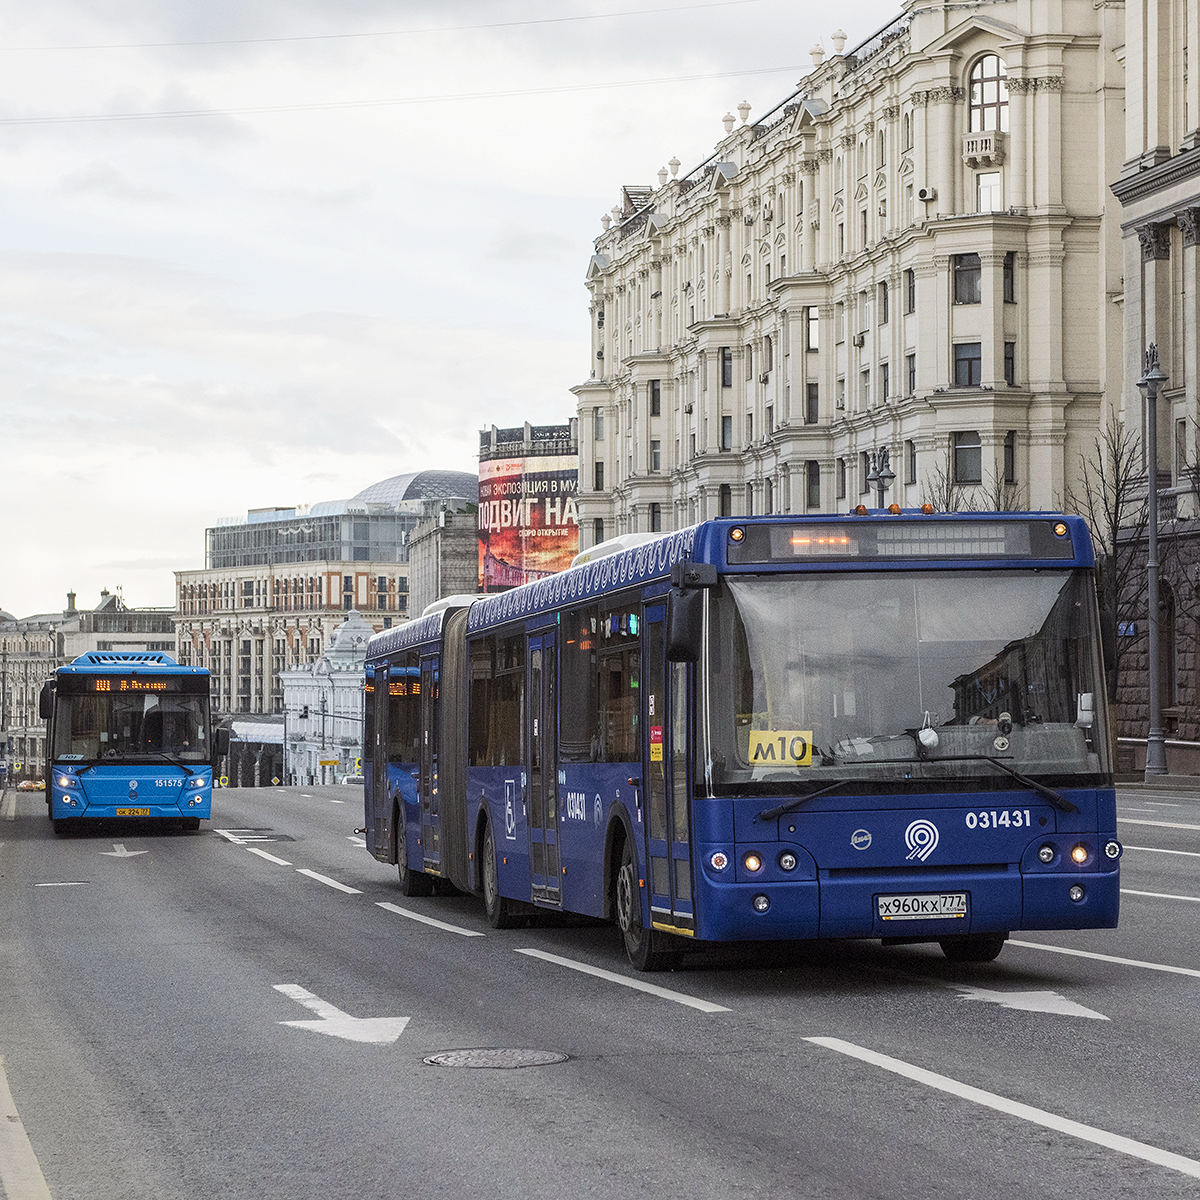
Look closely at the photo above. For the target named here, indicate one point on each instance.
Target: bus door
(665, 771)
(542, 786)
(430, 742)
(378, 818)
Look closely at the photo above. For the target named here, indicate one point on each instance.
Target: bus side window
(404, 713)
(618, 683)
(580, 733)
(480, 702)
(506, 739)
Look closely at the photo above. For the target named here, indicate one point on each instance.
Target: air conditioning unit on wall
(860, 340)
(927, 193)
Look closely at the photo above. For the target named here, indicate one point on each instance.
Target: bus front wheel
(974, 947)
(644, 947)
(498, 914)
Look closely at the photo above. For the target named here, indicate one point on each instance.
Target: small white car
(353, 779)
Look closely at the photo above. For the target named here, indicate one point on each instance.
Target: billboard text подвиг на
(528, 518)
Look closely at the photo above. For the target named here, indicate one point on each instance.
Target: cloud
(105, 178)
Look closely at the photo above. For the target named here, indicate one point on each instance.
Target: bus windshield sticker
(787, 747)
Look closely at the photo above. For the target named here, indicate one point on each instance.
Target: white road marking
(306, 795)
(333, 883)
(1124, 962)
(337, 802)
(12, 807)
(230, 837)
(119, 851)
(416, 916)
(1042, 1002)
(1163, 850)
(1014, 1108)
(1159, 895)
(1160, 824)
(21, 1176)
(380, 1030)
(651, 989)
(71, 883)
(350, 838)
(269, 857)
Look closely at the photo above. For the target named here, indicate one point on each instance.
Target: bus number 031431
(994, 819)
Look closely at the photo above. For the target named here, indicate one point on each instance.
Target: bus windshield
(904, 679)
(117, 727)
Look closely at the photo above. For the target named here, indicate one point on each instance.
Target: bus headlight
(752, 862)
(1079, 853)
(67, 781)
(197, 781)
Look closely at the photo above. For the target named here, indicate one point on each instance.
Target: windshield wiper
(1056, 798)
(175, 762)
(769, 814)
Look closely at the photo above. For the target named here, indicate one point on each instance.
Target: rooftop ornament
(728, 120)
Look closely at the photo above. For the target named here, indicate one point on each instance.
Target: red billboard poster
(528, 518)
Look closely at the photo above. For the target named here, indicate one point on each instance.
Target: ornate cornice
(939, 95)
(825, 154)
(891, 112)
(848, 139)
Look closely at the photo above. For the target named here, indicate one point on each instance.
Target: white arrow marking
(119, 851)
(381, 1030)
(1047, 1002)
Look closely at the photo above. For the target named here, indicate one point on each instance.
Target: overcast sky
(205, 314)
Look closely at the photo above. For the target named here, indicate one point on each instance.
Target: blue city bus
(130, 735)
(889, 724)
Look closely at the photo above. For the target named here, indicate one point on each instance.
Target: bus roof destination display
(918, 539)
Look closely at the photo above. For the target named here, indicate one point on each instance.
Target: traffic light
(304, 713)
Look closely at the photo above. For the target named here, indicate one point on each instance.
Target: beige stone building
(277, 583)
(912, 252)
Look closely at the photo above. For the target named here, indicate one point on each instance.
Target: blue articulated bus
(130, 735)
(890, 724)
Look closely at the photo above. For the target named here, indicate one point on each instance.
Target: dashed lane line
(1164, 850)
(21, 1176)
(1112, 958)
(1014, 1108)
(416, 916)
(11, 812)
(1158, 824)
(333, 883)
(651, 989)
(283, 862)
(1159, 895)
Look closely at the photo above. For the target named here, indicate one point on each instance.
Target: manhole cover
(497, 1060)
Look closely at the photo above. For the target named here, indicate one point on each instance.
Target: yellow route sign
(780, 747)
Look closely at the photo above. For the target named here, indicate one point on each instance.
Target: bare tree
(940, 490)
(1114, 502)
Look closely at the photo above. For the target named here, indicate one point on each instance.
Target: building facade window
(989, 196)
(655, 518)
(989, 95)
(910, 291)
(812, 328)
(967, 279)
(597, 530)
(840, 478)
(768, 496)
(910, 462)
(968, 364)
(655, 398)
(598, 476)
(726, 366)
(1010, 363)
(910, 365)
(864, 469)
(1010, 456)
(1010, 277)
(812, 479)
(655, 455)
(812, 404)
(968, 457)
(884, 303)
(725, 501)
(885, 382)
(598, 424)
(749, 355)
(749, 499)
(727, 432)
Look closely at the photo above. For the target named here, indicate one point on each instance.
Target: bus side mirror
(222, 742)
(685, 624)
(46, 700)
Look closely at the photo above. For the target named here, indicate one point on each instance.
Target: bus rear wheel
(974, 947)
(644, 947)
(412, 883)
(495, 905)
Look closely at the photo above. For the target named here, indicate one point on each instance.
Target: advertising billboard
(528, 518)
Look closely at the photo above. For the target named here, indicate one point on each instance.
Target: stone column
(1154, 239)
(1018, 142)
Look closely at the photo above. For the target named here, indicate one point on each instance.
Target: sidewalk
(1186, 785)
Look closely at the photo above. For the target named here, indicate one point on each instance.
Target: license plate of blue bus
(922, 906)
(133, 812)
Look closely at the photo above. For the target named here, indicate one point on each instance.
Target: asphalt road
(150, 1051)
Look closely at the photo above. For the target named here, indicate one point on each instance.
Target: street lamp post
(881, 474)
(1152, 379)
